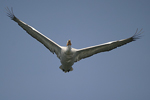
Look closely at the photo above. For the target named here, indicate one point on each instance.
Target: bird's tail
(71, 69)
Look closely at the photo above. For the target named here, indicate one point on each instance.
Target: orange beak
(69, 43)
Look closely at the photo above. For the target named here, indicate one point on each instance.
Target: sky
(29, 71)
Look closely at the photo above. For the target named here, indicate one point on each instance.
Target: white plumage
(68, 55)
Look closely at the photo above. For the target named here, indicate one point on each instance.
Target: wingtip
(137, 34)
(10, 13)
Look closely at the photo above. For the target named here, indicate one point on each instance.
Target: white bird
(68, 55)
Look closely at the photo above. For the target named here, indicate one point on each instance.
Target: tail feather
(71, 69)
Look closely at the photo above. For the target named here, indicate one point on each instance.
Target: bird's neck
(68, 48)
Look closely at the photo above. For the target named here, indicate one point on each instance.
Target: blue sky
(29, 71)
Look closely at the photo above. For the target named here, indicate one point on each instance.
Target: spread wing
(89, 51)
(48, 43)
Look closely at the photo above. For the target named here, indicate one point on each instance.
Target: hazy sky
(29, 71)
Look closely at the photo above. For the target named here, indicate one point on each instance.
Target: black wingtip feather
(10, 13)
(137, 34)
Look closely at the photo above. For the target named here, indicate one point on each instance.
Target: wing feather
(48, 43)
(89, 51)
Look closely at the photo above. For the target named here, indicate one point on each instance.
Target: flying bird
(68, 55)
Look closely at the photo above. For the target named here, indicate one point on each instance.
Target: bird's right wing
(48, 43)
(89, 51)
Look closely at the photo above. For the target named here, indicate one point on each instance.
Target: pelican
(68, 55)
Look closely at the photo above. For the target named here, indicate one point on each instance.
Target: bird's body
(68, 55)
(67, 58)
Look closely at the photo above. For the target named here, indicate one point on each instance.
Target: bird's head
(69, 43)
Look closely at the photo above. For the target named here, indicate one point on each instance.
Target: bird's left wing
(48, 43)
(89, 51)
